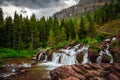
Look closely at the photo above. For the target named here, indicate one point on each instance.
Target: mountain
(82, 7)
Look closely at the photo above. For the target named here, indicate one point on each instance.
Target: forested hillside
(23, 33)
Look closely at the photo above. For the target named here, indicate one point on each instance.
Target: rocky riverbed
(22, 69)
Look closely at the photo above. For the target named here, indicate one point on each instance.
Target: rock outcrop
(102, 71)
(82, 7)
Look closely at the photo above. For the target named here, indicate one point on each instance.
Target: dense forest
(31, 33)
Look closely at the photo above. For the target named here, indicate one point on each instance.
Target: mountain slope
(112, 27)
(82, 7)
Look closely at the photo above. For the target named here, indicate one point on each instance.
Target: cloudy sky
(39, 7)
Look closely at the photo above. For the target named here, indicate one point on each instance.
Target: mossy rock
(105, 58)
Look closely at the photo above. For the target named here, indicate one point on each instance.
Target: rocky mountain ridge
(82, 7)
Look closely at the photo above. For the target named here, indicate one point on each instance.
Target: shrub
(100, 37)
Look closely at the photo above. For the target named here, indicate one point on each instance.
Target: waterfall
(40, 55)
(105, 51)
(67, 56)
(46, 57)
(99, 58)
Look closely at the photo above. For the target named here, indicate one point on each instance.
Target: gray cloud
(34, 4)
(39, 7)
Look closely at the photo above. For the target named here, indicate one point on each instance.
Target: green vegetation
(19, 35)
(10, 53)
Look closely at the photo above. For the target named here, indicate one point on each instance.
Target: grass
(10, 53)
(111, 28)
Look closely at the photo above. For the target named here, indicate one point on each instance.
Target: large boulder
(104, 71)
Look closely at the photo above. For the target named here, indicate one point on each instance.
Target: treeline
(108, 12)
(23, 33)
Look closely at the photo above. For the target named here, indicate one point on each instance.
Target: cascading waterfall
(85, 57)
(105, 51)
(67, 56)
(40, 55)
(99, 58)
(45, 58)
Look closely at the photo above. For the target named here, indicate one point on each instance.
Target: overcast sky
(39, 7)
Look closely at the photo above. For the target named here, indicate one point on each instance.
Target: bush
(100, 37)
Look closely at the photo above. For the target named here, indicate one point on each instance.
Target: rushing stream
(67, 56)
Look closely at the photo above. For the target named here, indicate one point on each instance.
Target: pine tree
(1, 18)
(51, 39)
(63, 34)
(82, 30)
(8, 31)
(1, 27)
(91, 27)
(56, 30)
(77, 38)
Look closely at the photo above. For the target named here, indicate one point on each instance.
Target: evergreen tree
(51, 39)
(1, 27)
(1, 18)
(56, 30)
(15, 30)
(77, 38)
(63, 35)
(91, 27)
(8, 32)
(82, 30)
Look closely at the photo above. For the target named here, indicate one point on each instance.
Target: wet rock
(118, 37)
(80, 57)
(104, 71)
(105, 58)
(103, 45)
(116, 53)
(92, 55)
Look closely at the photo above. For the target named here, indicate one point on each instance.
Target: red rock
(71, 78)
(97, 78)
(112, 76)
(87, 71)
(92, 56)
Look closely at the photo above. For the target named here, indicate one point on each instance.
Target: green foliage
(100, 37)
(114, 44)
(82, 29)
(10, 53)
(107, 13)
(51, 40)
(93, 43)
(23, 33)
(60, 44)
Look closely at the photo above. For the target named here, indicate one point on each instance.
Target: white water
(39, 57)
(67, 57)
(105, 51)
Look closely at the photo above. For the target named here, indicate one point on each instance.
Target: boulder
(104, 71)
